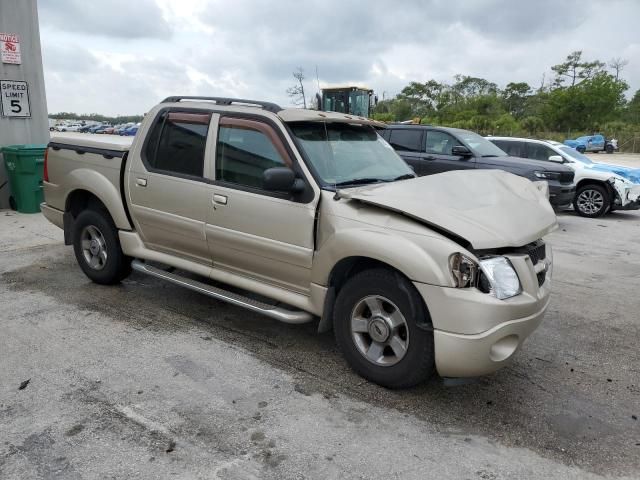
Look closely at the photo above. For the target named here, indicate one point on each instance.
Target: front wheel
(581, 149)
(609, 148)
(592, 201)
(97, 248)
(384, 330)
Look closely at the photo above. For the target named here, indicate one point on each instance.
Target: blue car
(591, 143)
(131, 131)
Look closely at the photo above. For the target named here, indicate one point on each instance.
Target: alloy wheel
(379, 330)
(94, 247)
(590, 202)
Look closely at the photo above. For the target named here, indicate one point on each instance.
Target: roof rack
(270, 107)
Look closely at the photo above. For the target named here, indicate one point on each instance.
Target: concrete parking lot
(146, 380)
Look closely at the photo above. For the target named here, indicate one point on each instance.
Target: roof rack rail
(270, 107)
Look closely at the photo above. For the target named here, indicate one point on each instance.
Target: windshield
(480, 145)
(341, 153)
(576, 155)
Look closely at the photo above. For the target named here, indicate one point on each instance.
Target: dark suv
(432, 150)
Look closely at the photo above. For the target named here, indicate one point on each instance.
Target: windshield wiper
(358, 181)
(406, 176)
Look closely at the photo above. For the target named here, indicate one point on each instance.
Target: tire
(592, 201)
(609, 149)
(390, 293)
(97, 248)
(581, 149)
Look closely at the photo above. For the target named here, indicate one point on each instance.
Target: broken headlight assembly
(493, 275)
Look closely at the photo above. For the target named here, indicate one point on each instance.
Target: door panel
(253, 232)
(167, 191)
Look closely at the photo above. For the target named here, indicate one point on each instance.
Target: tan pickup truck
(309, 215)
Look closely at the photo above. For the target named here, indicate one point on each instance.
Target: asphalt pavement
(147, 380)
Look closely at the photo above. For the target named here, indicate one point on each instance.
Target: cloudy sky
(123, 56)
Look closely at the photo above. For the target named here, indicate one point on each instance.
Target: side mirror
(281, 179)
(460, 151)
(556, 158)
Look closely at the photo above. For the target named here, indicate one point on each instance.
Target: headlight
(501, 276)
(547, 175)
(464, 270)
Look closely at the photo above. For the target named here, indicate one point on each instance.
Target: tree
(575, 69)
(632, 112)
(587, 105)
(297, 91)
(514, 97)
(532, 125)
(618, 64)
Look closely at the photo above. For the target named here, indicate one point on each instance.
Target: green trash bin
(25, 167)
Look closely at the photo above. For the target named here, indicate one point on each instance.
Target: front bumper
(561, 195)
(475, 333)
(628, 196)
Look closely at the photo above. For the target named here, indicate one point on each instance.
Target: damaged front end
(627, 194)
(494, 273)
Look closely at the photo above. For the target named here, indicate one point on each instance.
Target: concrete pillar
(20, 17)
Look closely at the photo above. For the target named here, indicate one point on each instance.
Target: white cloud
(123, 56)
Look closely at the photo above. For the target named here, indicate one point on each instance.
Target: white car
(600, 187)
(74, 127)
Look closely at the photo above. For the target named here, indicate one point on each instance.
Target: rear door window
(177, 143)
(406, 139)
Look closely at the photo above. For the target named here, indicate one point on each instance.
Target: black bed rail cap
(269, 106)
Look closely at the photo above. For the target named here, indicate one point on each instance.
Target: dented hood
(487, 208)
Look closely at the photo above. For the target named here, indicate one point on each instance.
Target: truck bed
(91, 140)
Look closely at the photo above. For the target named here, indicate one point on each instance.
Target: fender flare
(399, 252)
(96, 184)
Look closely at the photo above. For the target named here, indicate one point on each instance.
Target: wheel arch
(91, 186)
(601, 183)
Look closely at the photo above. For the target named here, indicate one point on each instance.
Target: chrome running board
(279, 313)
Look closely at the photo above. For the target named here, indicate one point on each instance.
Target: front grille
(536, 251)
(566, 177)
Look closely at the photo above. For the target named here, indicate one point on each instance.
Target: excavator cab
(352, 100)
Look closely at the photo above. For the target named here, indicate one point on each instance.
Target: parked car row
(593, 189)
(128, 129)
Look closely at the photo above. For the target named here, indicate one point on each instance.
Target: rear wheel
(592, 201)
(97, 248)
(609, 148)
(383, 329)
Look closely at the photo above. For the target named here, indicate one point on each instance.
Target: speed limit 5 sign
(15, 98)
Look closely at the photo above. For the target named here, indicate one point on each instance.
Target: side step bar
(284, 315)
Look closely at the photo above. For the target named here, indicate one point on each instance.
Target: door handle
(142, 182)
(219, 199)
